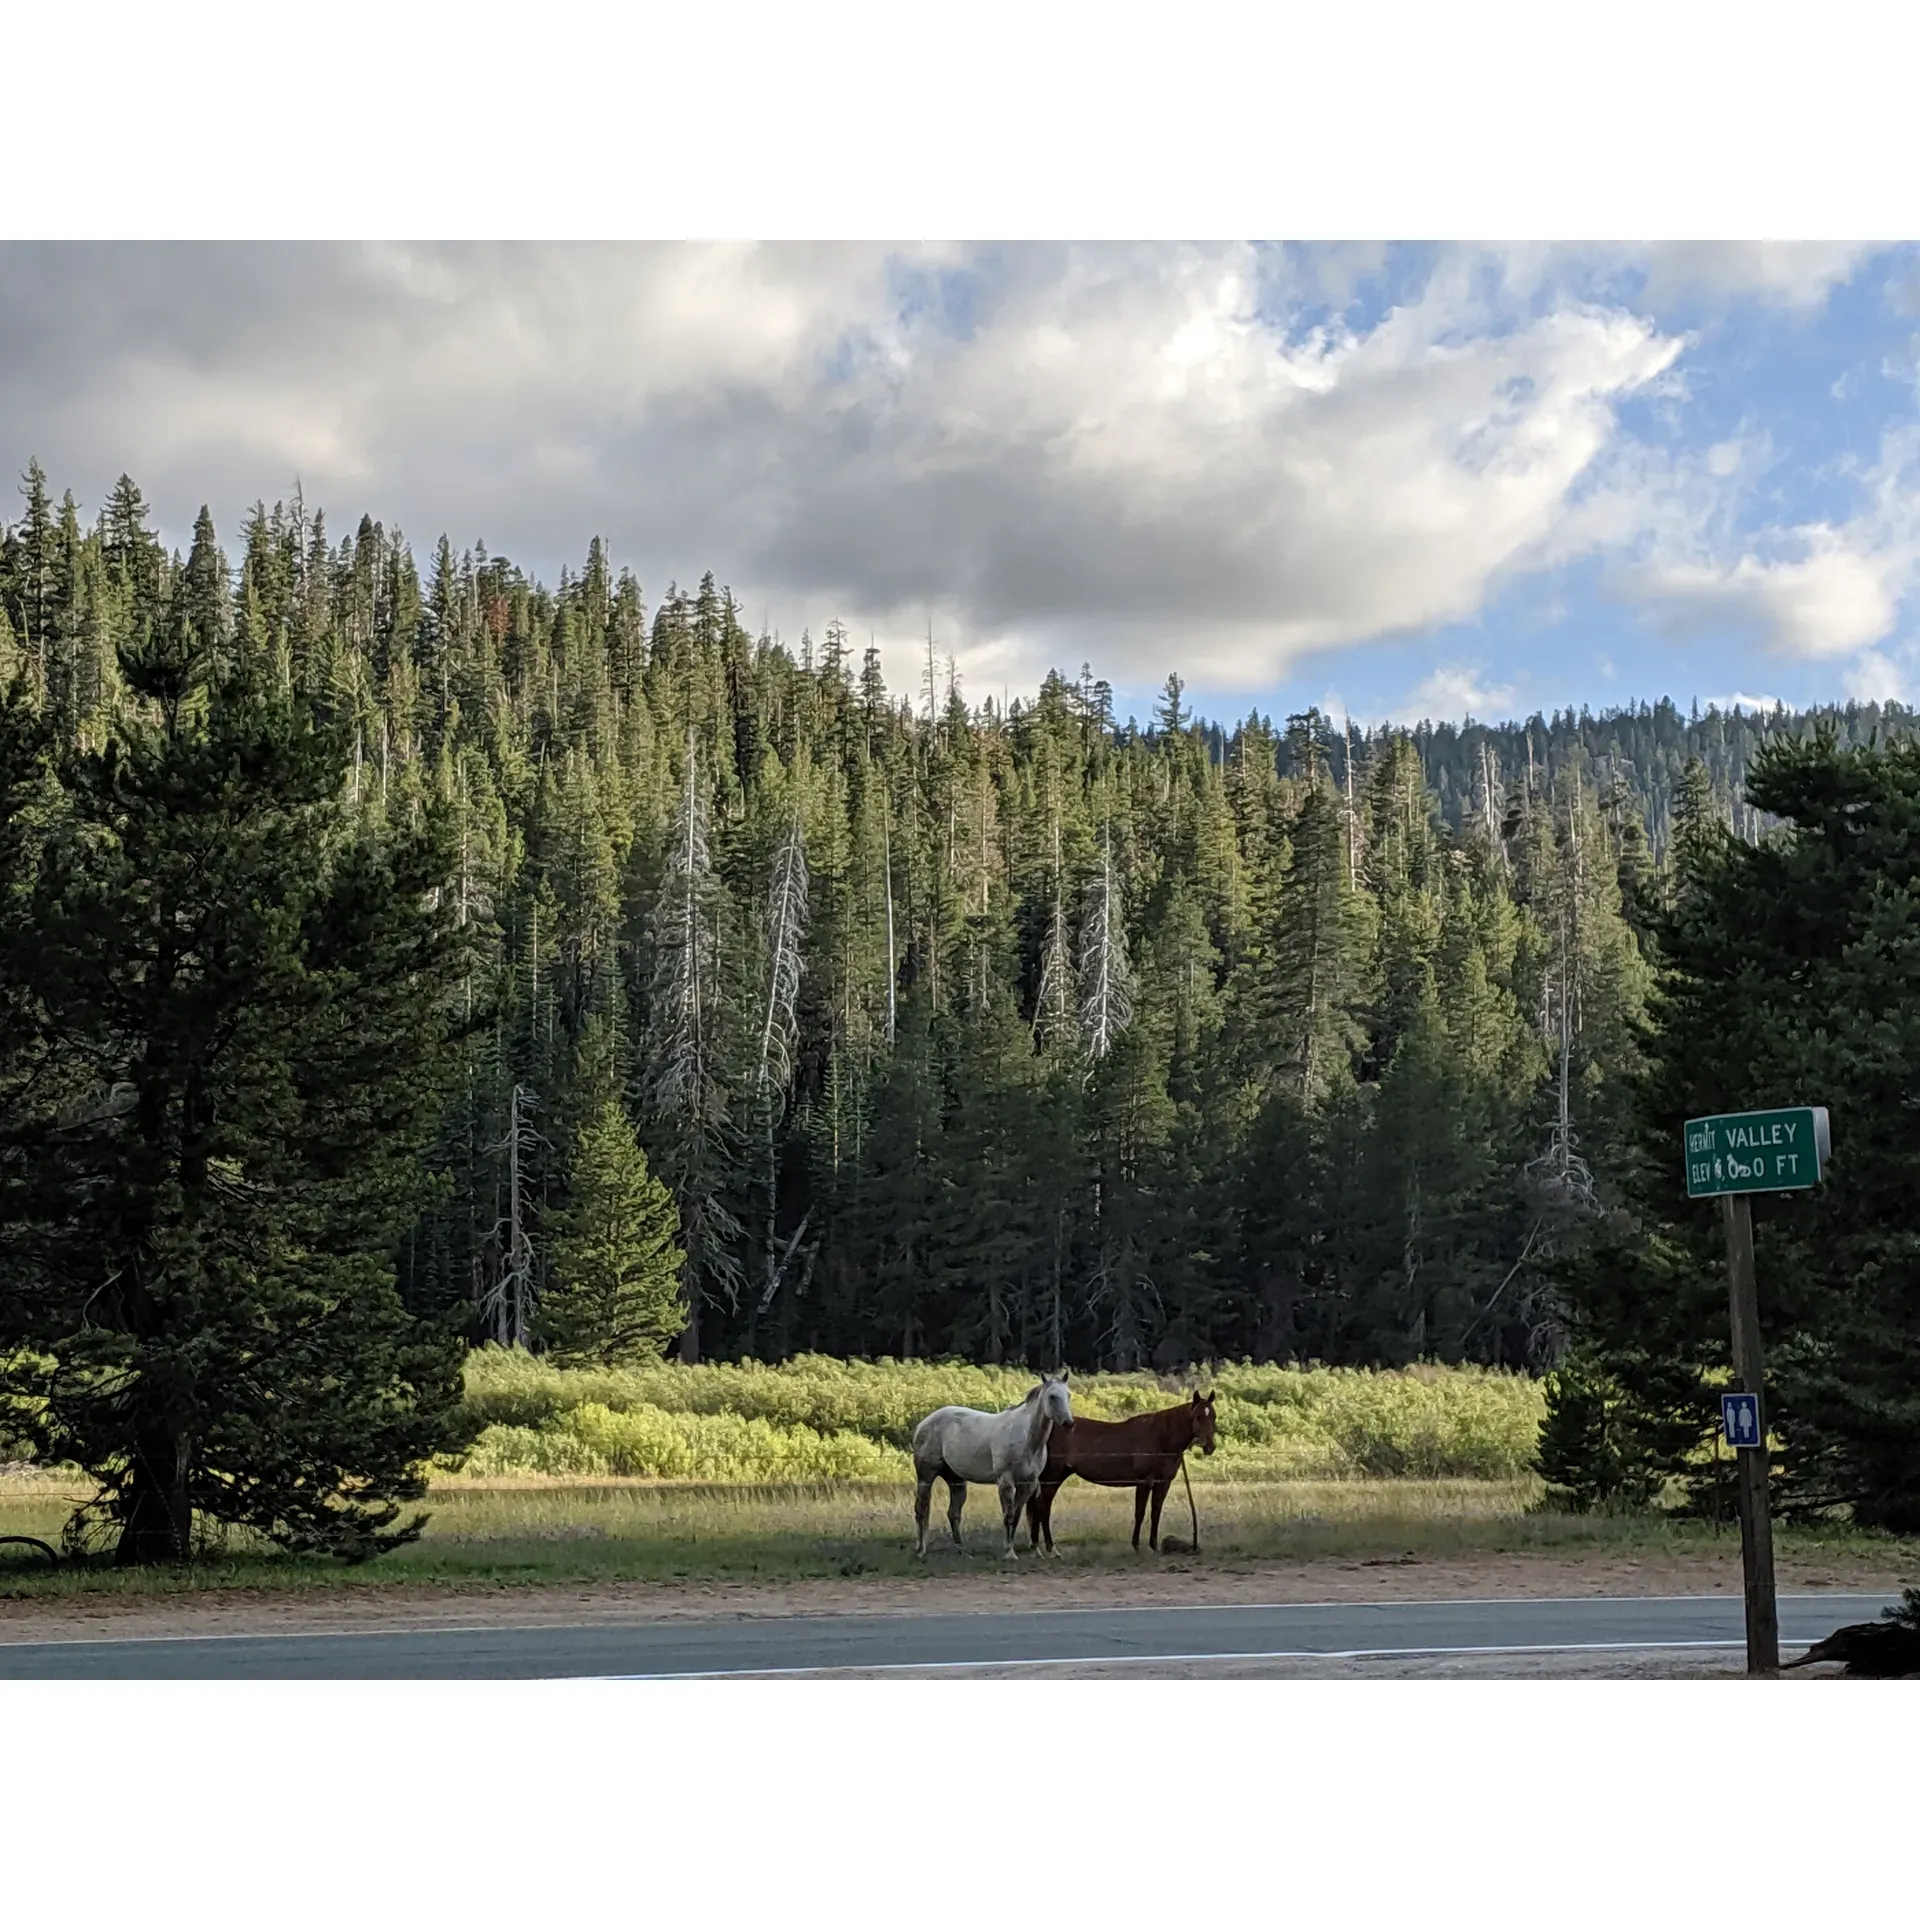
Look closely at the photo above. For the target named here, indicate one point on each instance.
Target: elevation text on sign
(1765, 1152)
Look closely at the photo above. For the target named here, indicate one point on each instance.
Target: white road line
(1173, 1659)
(987, 1613)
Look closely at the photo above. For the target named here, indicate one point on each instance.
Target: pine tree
(1317, 960)
(888, 1237)
(33, 580)
(1590, 1456)
(246, 1017)
(206, 596)
(987, 1258)
(613, 1294)
(1782, 970)
(1360, 1010)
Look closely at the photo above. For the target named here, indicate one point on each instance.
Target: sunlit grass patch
(818, 1418)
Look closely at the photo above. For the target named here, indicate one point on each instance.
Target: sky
(1395, 481)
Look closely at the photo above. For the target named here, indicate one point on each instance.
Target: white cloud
(1125, 453)
(1455, 693)
(1827, 604)
(1333, 704)
(1648, 499)
(1705, 274)
(1817, 591)
(1874, 680)
(1752, 702)
(1114, 453)
(1789, 273)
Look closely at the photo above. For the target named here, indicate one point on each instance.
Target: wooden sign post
(1750, 1453)
(1729, 1156)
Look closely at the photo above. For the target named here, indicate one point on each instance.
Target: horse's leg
(956, 1499)
(1047, 1498)
(922, 1504)
(1013, 1496)
(1159, 1500)
(1034, 1507)
(1139, 1512)
(1042, 1510)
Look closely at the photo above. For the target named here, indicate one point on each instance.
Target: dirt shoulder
(990, 1588)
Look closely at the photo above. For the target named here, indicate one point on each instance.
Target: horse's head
(1203, 1429)
(1054, 1400)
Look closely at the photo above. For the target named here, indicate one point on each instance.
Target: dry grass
(561, 1532)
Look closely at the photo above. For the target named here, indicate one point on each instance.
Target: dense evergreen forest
(1014, 1034)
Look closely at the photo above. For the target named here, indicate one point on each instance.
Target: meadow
(534, 1533)
(799, 1471)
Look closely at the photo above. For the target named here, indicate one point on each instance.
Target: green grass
(572, 1532)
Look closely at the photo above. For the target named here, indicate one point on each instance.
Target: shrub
(1588, 1453)
(816, 1418)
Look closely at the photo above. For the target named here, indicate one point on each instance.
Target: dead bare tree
(1106, 1001)
(786, 924)
(507, 1303)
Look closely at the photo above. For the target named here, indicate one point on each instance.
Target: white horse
(958, 1444)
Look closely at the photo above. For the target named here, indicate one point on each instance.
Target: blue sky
(1807, 384)
(1390, 480)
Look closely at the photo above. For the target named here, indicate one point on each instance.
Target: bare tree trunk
(1353, 821)
(1057, 1328)
(893, 968)
(516, 1268)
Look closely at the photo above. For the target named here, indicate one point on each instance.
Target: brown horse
(1143, 1453)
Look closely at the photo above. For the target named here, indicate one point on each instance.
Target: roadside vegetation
(814, 1419)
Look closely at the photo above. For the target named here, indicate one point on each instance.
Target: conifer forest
(762, 1006)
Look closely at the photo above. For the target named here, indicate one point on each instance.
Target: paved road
(1058, 1640)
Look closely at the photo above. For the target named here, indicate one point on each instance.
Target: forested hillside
(1011, 1035)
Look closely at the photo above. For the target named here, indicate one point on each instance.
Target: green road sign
(1768, 1152)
